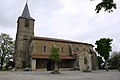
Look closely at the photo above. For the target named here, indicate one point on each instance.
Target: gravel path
(65, 75)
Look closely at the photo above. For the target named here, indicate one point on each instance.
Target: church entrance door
(49, 67)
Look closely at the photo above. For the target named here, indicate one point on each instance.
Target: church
(32, 51)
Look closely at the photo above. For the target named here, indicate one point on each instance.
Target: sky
(74, 20)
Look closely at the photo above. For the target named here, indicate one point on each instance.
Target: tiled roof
(46, 56)
(77, 52)
(59, 40)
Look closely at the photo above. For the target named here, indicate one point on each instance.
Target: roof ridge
(61, 40)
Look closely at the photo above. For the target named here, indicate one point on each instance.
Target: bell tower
(24, 35)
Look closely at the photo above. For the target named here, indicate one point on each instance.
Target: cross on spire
(26, 1)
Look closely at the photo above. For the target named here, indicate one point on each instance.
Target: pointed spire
(26, 13)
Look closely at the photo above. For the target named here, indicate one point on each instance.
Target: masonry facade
(32, 51)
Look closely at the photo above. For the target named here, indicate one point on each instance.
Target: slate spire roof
(26, 13)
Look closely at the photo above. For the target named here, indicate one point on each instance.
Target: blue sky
(65, 19)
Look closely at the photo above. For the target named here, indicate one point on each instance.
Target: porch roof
(46, 56)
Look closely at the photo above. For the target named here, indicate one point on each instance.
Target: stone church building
(33, 52)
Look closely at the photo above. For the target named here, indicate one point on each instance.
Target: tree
(100, 61)
(103, 48)
(6, 48)
(108, 5)
(114, 60)
(55, 57)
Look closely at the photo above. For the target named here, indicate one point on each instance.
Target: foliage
(55, 59)
(108, 5)
(114, 59)
(54, 54)
(6, 48)
(104, 47)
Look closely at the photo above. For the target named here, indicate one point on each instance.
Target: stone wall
(23, 39)
(81, 50)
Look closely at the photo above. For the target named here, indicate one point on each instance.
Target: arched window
(77, 48)
(26, 23)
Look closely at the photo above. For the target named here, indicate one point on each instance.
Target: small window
(85, 60)
(44, 49)
(77, 48)
(26, 23)
(62, 49)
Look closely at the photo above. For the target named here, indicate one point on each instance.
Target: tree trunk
(56, 68)
(1, 67)
(106, 66)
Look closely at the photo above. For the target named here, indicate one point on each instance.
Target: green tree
(114, 60)
(55, 57)
(107, 5)
(103, 48)
(6, 48)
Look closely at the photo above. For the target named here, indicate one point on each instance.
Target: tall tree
(55, 57)
(107, 5)
(6, 48)
(103, 48)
